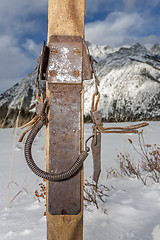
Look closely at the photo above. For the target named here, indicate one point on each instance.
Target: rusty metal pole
(65, 94)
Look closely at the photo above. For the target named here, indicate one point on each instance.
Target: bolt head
(77, 51)
(54, 51)
(76, 73)
(53, 73)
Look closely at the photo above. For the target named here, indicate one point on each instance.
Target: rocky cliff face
(129, 84)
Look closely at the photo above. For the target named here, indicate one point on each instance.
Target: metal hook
(94, 108)
(86, 147)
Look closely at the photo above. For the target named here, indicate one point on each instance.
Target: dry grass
(147, 165)
(8, 117)
(13, 155)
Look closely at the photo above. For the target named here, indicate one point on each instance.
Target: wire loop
(95, 105)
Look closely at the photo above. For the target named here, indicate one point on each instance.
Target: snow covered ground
(131, 211)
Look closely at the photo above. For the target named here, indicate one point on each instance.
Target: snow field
(130, 212)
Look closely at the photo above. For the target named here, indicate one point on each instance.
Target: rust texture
(44, 61)
(64, 131)
(65, 59)
(87, 70)
(96, 117)
(96, 153)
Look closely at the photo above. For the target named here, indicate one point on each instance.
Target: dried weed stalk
(148, 165)
(94, 193)
(41, 193)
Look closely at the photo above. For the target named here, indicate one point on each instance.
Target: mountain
(155, 49)
(10, 101)
(129, 84)
(25, 88)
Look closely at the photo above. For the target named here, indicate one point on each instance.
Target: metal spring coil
(54, 177)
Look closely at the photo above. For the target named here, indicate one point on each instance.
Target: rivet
(76, 73)
(51, 171)
(53, 73)
(77, 51)
(74, 130)
(54, 131)
(63, 212)
(54, 51)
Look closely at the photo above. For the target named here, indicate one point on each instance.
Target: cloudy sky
(23, 27)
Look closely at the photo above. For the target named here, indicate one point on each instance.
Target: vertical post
(65, 18)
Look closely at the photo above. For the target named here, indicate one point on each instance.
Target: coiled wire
(54, 177)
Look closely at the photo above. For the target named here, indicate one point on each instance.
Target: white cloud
(103, 7)
(32, 47)
(14, 63)
(150, 39)
(13, 8)
(19, 16)
(115, 28)
(18, 53)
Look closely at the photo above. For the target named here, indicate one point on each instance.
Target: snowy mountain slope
(25, 88)
(98, 52)
(155, 49)
(129, 83)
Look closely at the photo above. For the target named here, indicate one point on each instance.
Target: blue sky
(23, 27)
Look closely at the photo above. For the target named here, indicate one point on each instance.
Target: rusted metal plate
(44, 61)
(65, 59)
(87, 70)
(64, 134)
(96, 153)
(97, 117)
